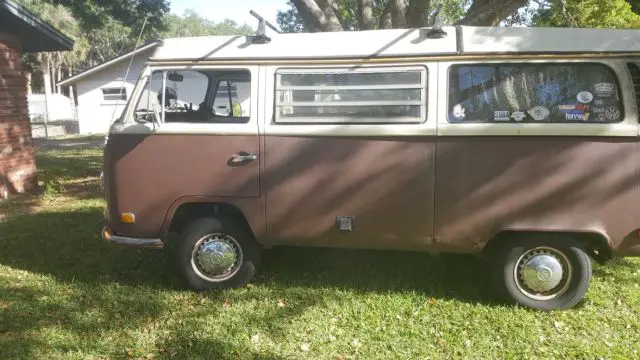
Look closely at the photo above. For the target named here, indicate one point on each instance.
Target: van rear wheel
(217, 253)
(545, 274)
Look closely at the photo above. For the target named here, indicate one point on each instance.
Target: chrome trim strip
(129, 241)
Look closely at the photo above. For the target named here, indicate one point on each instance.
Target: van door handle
(241, 158)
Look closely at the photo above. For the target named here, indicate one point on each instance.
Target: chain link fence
(58, 117)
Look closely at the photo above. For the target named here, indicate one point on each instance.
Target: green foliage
(62, 19)
(588, 14)
(289, 21)
(103, 30)
(192, 24)
(94, 14)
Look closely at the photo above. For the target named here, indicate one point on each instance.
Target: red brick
(17, 158)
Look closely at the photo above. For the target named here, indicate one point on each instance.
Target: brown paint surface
(148, 174)
(478, 186)
(386, 184)
(489, 184)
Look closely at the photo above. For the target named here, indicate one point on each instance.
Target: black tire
(569, 252)
(231, 231)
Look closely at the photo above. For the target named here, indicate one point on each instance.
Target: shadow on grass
(70, 142)
(67, 246)
(449, 276)
(69, 164)
(121, 285)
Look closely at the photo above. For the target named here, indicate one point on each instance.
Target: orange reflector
(128, 218)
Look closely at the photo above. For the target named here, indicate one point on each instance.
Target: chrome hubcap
(216, 257)
(543, 273)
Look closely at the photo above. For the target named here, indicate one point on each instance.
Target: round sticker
(538, 113)
(612, 113)
(585, 97)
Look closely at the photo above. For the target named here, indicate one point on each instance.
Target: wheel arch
(597, 244)
(182, 212)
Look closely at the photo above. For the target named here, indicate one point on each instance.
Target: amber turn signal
(128, 218)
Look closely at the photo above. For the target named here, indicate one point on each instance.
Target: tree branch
(490, 12)
(385, 18)
(398, 11)
(365, 14)
(332, 12)
(315, 17)
(416, 12)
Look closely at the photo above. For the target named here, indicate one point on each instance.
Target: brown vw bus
(517, 143)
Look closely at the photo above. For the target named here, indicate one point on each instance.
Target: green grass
(65, 294)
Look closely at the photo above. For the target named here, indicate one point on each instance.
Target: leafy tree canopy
(587, 14)
(192, 24)
(336, 15)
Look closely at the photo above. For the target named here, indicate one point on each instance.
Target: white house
(102, 91)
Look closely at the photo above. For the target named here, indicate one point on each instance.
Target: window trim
(344, 120)
(616, 80)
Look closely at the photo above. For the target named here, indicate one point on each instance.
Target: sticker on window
(612, 113)
(584, 97)
(604, 89)
(501, 116)
(518, 116)
(538, 113)
(577, 115)
(459, 112)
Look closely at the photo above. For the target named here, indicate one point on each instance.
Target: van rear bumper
(109, 237)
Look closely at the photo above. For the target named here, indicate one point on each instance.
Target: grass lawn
(65, 294)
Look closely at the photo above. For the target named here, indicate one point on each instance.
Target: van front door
(193, 153)
(349, 157)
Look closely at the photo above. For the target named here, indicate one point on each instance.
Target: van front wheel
(217, 253)
(545, 275)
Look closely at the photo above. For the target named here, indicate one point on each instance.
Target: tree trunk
(490, 12)
(417, 13)
(385, 18)
(71, 90)
(46, 77)
(398, 11)
(318, 19)
(365, 14)
(58, 79)
(28, 76)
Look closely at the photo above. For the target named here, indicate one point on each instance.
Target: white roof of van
(460, 40)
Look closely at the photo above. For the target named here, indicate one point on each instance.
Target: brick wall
(17, 160)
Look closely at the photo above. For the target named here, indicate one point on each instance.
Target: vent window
(635, 77)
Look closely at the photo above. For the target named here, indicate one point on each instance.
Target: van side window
(634, 70)
(534, 93)
(351, 95)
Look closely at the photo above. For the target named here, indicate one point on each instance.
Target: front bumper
(109, 237)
